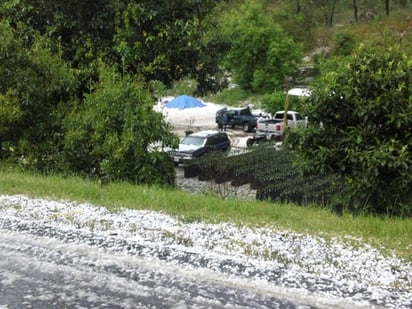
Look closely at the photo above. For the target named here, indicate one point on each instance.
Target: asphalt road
(42, 267)
(62, 254)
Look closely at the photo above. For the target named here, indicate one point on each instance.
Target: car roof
(289, 111)
(238, 108)
(206, 133)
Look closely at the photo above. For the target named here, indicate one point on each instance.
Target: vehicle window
(299, 117)
(279, 116)
(193, 140)
(211, 141)
(290, 117)
(221, 139)
(245, 112)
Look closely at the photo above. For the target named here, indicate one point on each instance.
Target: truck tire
(246, 127)
(249, 142)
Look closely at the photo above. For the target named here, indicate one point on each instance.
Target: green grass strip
(385, 234)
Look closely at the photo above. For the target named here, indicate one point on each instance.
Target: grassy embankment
(382, 233)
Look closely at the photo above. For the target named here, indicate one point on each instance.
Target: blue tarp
(184, 101)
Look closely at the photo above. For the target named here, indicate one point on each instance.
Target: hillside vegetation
(80, 79)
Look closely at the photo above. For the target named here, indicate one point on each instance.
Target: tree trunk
(332, 13)
(355, 10)
(298, 7)
(387, 7)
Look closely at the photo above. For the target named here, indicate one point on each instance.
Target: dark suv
(198, 144)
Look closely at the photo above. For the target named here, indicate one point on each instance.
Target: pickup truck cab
(241, 117)
(273, 129)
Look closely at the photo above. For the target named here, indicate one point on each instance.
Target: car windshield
(193, 140)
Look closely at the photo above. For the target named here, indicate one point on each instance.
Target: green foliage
(158, 89)
(112, 135)
(184, 206)
(300, 19)
(168, 45)
(261, 54)
(234, 97)
(365, 107)
(10, 112)
(344, 43)
(158, 40)
(186, 86)
(36, 87)
(273, 102)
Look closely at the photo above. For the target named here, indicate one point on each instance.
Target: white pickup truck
(273, 128)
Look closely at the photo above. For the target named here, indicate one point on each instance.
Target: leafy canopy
(262, 55)
(365, 105)
(110, 136)
(35, 86)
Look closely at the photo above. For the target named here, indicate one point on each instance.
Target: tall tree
(355, 10)
(161, 40)
(261, 54)
(36, 85)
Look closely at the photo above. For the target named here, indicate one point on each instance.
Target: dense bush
(344, 43)
(112, 135)
(365, 105)
(36, 88)
(273, 102)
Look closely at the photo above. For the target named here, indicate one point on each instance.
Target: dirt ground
(199, 119)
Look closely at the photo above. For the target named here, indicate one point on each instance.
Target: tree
(355, 10)
(365, 106)
(159, 40)
(163, 40)
(36, 86)
(113, 134)
(261, 55)
(313, 12)
(83, 28)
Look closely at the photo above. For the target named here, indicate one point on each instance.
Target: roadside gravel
(330, 271)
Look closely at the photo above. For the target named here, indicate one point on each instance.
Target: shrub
(366, 109)
(112, 134)
(344, 43)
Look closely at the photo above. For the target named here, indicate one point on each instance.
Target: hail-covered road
(56, 254)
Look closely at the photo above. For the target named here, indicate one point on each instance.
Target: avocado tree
(364, 104)
(116, 135)
(159, 40)
(36, 87)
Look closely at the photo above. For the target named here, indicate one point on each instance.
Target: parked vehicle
(273, 128)
(242, 117)
(200, 143)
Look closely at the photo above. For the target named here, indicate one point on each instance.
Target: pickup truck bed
(273, 129)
